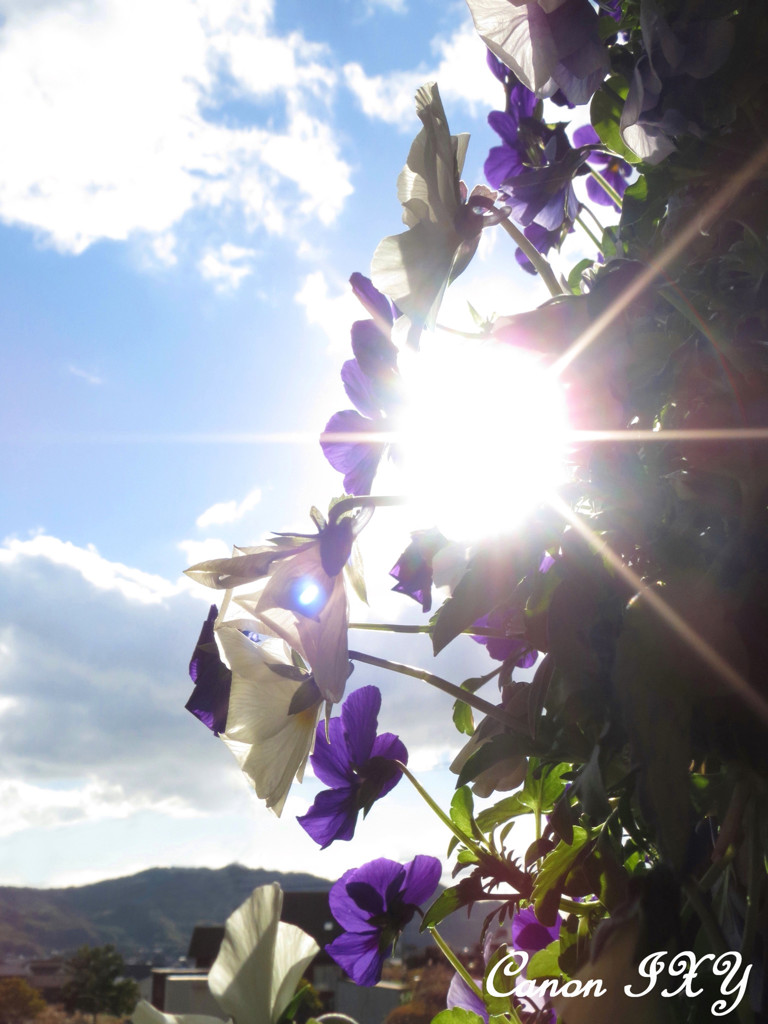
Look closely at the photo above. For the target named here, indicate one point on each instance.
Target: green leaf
(317, 518)
(574, 278)
(605, 114)
(540, 793)
(462, 807)
(544, 963)
(498, 748)
(552, 876)
(446, 903)
(354, 573)
(467, 857)
(463, 718)
(490, 577)
(457, 1016)
(306, 696)
(509, 807)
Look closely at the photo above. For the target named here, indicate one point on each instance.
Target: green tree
(96, 986)
(19, 1002)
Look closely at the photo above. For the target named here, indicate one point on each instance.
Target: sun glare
(482, 436)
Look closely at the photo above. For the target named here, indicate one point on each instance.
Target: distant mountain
(152, 914)
(154, 910)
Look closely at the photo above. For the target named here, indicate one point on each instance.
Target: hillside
(153, 910)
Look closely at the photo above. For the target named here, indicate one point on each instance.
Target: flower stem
(396, 627)
(454, 961)
(609, 190)
(590, 234)
(451, 825)
(491, 710)
(600, 228)
(541, 265)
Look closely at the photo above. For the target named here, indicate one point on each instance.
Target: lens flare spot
(308, 594)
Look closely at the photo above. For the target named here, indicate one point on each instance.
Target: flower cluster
(617, 694)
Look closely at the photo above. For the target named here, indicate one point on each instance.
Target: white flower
(548, 44)
(414, 268)
(271, 744)
(259, 965)
(299, 596)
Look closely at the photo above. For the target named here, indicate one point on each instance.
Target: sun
(482, 435)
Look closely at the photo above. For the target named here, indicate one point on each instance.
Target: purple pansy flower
(506, 620)
(373, 904)
(615, 170)
(372, 383)
(355, 763)
(534, 170)
(460, 996)
(413, 569)
(210, 698)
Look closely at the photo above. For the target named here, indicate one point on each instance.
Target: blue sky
(185, 190)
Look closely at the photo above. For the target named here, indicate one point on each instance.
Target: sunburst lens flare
(482, 436)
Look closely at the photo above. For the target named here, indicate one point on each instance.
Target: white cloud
(334, 313)
(227, 266)
(92, 378)
(95, 666)
(396, 6)
(24, 805)
(163, 248)
(229, 511)
(202, 550)
(459, 68)
(134, 584)
(113, 129)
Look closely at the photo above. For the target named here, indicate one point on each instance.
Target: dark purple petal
(332, 816)
(497, 69)
(209, 700)
(506, 620)
(460, 996)
(583, 58)
(387, 747)
(612, 8)
(359, 389)
(521, 101)
(347, 913)
(359, 955)
(372, 348)
(541, 239)
(585, 136)
(330, 759)
(371, 298)
(506, 125)
(502, 164)
(359, 717)
(421, 878)
(413, 569)
(529, 934)
(358, 460)
(370, 883)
